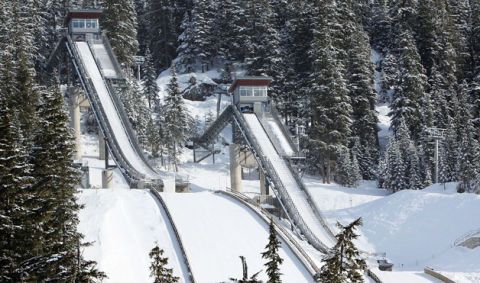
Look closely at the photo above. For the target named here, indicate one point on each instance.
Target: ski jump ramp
(94, 73)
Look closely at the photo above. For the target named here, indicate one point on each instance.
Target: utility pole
(437, 135)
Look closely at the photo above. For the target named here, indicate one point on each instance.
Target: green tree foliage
(158, 268)
(177, 122)
(120, 21)
(343, 263)
(271, 255)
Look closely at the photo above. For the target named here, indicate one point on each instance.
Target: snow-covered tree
(120, 21)
(176, 118)
(271, 255)
(344, 263)
(329, 101)
(158, 268)
(150, 80)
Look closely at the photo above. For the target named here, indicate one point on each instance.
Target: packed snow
(216, 230)
(282, 140)
(415, 228)
(123, 226)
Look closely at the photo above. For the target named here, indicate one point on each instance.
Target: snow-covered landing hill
(415, 228)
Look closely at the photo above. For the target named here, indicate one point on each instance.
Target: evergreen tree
(468, 156)
(15, 195)
(177, 121)
(363, 97)
(409, 89)
(263, 51)
(186, 59)
(120, 21)
(343, 263)
(150, 80)
(158, 268)
(55, 194)
(329, 101)
(271, 254)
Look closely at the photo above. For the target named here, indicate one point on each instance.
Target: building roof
(250, 81)
(83, 14)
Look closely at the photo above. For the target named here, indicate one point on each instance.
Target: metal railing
(313, 205)
(279, 188)
(299, 252)
(131, 174)
(164, 206)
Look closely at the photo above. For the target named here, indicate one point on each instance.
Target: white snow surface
(113, 117)
(415, 228)
(216, 230)
(298, 197)
(124, 226)
(277, 132)
(104, 59)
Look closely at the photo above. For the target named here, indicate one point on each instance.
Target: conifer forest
(377, 92)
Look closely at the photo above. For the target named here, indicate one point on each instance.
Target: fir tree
(177, 121)
(271, 254)
(329, 100)
(15, 180)
(409, 88)
(158, 267)
(120, 21)
(149, 80)
(343, 263)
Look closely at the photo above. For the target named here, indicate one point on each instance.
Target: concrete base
(263, 184)
(107, 179)
(101, 146)
(235, 168)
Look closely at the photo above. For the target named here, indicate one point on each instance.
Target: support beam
(263, 184)
(101, 146)
(235, 168)
(76, 115)
(107, 179)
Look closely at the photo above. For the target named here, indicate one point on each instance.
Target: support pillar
(235, 168)
(107, 179)
(76, 115)
(263, 184)
(101, 145)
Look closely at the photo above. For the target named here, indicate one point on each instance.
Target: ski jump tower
(249, 96)
(90, 64)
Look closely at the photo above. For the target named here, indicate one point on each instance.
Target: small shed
(250, 94)
(83, 23)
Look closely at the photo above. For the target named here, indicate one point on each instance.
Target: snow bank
(217, 230)
(124, 226)
(415, 228)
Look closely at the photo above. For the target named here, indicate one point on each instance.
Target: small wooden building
(83, 24)
(250, 94)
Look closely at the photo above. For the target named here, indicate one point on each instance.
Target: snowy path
(298, 197)
(124, 226)
(113, 117)
(216, 230)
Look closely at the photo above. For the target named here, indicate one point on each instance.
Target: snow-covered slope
(123, 226)
(415, 228)
(217, 230)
